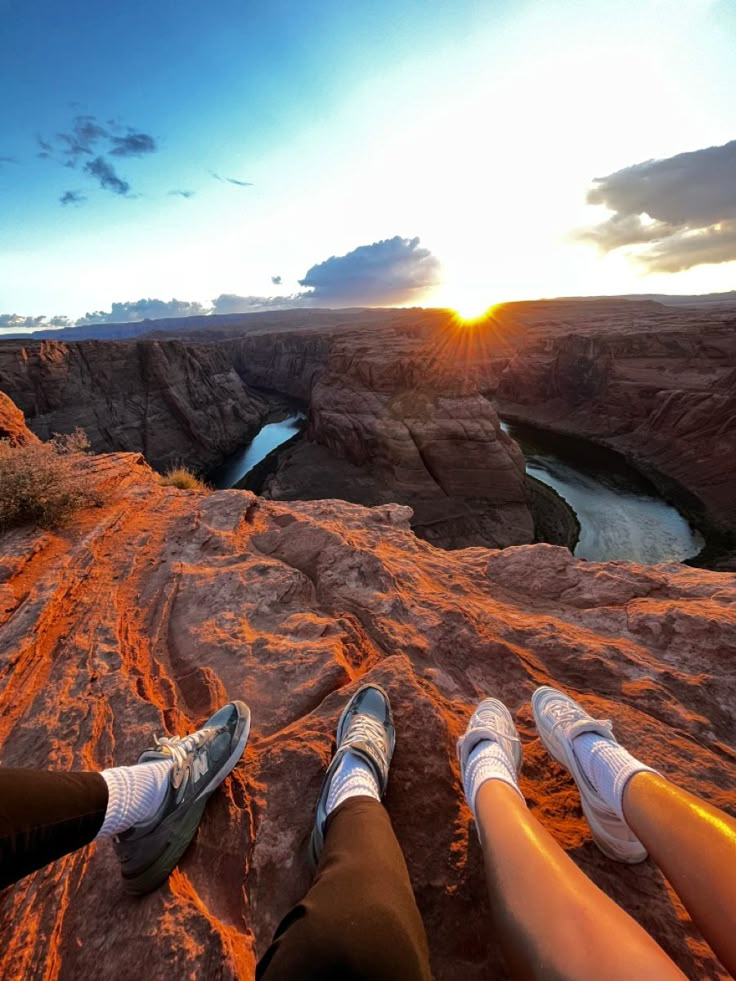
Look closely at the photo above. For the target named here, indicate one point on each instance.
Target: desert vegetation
(40, 483)
(184, 479)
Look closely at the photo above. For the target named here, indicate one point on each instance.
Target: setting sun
(471, 310)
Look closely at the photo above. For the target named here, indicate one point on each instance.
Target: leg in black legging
(44, 815)
(359, 920)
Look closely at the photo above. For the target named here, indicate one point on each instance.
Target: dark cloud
(86, 139)
(182, 194)
(8, 160)
(682, 208)
(105, 174)
(276, 280)
(133, 145)
(81, 139)
(144, 309)
(72, 197)
(392, 271)
(230, 180)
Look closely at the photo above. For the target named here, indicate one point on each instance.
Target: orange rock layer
(147, 613)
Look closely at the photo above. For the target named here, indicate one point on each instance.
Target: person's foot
(560, 720)
(489, 749)
(201, 761)
(491, 720)
(365, 729)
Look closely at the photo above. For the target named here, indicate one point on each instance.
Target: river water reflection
(621, 514)
(243, 460)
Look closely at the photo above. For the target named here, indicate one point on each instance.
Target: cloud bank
(145, 309)
(15, 321)
(395, 270)
(389, 272)
(681, 209)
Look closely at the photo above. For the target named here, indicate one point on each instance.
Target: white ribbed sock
(608, 766)
(352, 778)
(135, 793)
(487, 761)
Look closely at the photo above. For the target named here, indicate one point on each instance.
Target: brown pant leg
(44, 815)
(359, 920)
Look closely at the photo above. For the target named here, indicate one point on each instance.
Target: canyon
(403, 404)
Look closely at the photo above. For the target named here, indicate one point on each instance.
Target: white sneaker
(491, 720)
(559, 720)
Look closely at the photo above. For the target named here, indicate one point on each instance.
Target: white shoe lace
(494, 726)
(366, 728)
(179, 747)
(565, 713)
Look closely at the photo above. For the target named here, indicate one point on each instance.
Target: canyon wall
(174, 402)
(147, 613)
(666, 398)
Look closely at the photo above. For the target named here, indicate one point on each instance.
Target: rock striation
(146, 613)
(174, 402)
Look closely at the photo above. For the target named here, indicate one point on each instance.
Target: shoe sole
(633, 851)
(159, 871)
(315, 844)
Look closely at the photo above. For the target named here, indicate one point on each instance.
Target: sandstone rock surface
(144, 615)
(13, 424)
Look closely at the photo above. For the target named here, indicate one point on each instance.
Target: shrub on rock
(40, 483)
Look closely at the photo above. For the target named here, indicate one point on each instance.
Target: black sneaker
(366, 728)
(149, 852)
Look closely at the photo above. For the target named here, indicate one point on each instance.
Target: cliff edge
(146, 613)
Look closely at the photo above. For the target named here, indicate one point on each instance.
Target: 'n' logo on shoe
(200, 765)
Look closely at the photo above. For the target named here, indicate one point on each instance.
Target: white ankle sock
(135, 793)
(608, 767)
(352, 778)
(487, 761)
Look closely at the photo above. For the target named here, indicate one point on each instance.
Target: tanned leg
(551, 920)
(694, 844)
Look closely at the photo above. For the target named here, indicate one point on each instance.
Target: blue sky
(441, 152)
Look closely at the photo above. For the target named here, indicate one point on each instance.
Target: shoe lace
(180, 747)
(367, 728)
(564, 713)
(490, 721)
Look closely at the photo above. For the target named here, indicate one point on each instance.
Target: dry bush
(40, 482)
(183, 479)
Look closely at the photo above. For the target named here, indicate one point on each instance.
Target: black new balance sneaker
(366, 728)
(148, 852)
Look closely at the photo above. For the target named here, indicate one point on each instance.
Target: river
(621, 514)
(243, 460)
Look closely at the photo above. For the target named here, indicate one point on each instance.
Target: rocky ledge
(149, 611)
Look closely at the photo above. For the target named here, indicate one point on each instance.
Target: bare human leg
(551, 920)
(694, 844)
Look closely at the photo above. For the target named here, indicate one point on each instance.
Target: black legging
(44, 815)
(358, 921)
